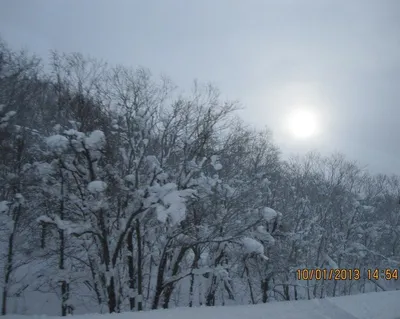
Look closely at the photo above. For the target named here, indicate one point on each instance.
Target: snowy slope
(383, 305)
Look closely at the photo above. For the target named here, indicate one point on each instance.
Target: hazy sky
(340, 58)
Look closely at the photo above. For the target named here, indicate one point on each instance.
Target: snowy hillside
(384, 305)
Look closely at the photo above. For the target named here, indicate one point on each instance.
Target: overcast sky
(341, 58)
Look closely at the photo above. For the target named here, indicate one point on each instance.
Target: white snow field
(382, 305)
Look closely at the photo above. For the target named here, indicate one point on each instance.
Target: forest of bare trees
(119, 194)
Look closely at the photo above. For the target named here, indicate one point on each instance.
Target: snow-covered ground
(383, 305)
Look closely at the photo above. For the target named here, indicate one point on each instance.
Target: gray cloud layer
(343, 57)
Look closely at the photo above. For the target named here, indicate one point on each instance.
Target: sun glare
(302, 123)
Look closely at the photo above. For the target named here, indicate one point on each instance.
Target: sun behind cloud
(302, 123)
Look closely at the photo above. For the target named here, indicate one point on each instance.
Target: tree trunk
(194, 266)
(250, 285)
(7, 274)
(191, 290)
(169, 288)
(160, 279)
(112, 297)
(210, 300)
(10, 259)
(43, 236)
(264, 290)
(131, 270)
(110, 285)
(139, 266)
(64, 284)
(95, 282)
(286, 291)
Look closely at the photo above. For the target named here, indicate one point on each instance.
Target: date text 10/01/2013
(346, 274)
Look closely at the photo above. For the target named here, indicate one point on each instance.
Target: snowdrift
(383, 305)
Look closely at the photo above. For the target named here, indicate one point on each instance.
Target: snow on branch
(69, 227)
(269, 214)
(97, 187)
(57, 143)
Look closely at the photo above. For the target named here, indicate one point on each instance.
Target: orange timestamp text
(328, 274)
(346, 274)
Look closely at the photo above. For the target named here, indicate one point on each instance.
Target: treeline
(118, 194)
